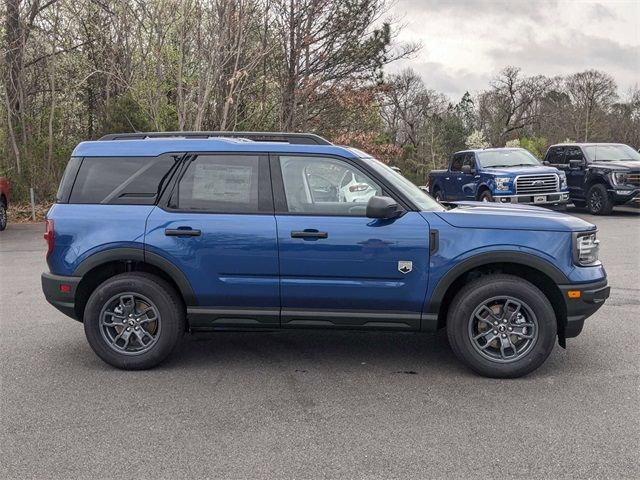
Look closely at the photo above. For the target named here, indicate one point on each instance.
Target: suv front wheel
(134, 320)
(501, 326)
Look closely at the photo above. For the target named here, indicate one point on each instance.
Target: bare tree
(511, 105)
(592, 92)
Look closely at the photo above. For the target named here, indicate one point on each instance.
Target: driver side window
(574, 153)
(325, 186)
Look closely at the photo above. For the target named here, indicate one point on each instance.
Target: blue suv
(153, 235)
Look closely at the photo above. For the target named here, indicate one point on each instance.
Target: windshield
(507, 158)
(408, 189)
(611, 153)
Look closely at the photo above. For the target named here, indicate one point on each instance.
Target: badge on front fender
(405, 266)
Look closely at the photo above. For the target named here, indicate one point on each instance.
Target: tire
(438, 195)
(535, 318)
(3, 216)
(124, 297)
(485, 196)
(599, 201)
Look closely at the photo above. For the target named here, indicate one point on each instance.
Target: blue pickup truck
(505, 175)
(156, 234)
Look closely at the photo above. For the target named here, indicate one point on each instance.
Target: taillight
(49, 236)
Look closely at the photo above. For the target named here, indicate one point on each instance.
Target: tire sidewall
(163, 298)
(486, 194)
(479, 291)
(3, 216)
(606, 204)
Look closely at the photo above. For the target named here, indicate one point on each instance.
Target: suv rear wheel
(134, 320)
(501, 326)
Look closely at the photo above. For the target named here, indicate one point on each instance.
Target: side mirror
(467, 170)
(384, 208)
(576, 164)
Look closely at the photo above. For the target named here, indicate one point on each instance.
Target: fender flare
(139, 255)
(483, 186)
(487, 258)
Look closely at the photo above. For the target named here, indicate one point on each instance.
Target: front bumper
(556, 198)
(60, 291)
(625, 196)
(591, 297)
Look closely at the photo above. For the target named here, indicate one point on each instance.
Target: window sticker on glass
(229, 182)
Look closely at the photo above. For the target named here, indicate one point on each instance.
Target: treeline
(77, 69)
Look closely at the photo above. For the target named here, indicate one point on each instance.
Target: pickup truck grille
(634, 178)
(537, 183)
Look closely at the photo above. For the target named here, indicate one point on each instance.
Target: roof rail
(292, 138)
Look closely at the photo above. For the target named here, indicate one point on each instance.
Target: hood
(513, 171)
(623, 165)
(511, 217)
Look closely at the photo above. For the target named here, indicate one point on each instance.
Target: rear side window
(121, 180)
(220, 184)
(68, 177)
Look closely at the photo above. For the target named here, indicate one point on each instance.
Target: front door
(575, 176)
(453, 178)
(466, 181)
(339, 268)
(219, 229)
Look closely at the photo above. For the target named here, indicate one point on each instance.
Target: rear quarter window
(121, 180)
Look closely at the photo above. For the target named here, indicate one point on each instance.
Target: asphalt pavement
(312, 405)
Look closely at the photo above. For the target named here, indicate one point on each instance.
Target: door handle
(309, 234)
(181, 232)
(446, 178)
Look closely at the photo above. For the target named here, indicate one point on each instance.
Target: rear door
(339, 268)
(218, 227)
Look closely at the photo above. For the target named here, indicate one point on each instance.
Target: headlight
(586, 248)
(563, 180)
(619, 178)
(502, 183)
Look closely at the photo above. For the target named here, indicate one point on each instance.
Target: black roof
(291, 138)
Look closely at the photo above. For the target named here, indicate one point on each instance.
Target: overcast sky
(466, 42)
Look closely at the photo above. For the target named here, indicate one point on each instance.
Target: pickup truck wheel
(134, 320)
(501, 326)
(3, 216)
(598, 200)
(438, 195)
(486, 196)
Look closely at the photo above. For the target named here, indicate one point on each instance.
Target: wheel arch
(97, 268)
(481, 189)
(537, 271)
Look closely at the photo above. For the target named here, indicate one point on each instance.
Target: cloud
(573, 52)
(534, 10)
(439, 77)
(467, 42)
(600, 12)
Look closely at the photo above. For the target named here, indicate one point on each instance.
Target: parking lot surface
(315, 404)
